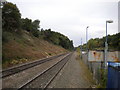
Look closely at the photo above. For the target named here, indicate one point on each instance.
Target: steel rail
(43, 72)
(25, 66)
(55, 75)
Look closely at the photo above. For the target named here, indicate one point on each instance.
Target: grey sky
(71, 17)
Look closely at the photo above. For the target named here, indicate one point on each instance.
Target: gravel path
(75, 74)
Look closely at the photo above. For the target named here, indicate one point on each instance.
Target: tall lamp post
(87, 37)
(106, 44)
(81, 48)
(86, 42)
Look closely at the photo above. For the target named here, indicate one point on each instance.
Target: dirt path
(75, 74)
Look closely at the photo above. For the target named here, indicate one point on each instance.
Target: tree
(57, 38)
(10, 17)
(113, 42)
(26, 24)
(36, 24)
(30, 26)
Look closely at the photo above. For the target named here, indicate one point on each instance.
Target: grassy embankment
(22, 47)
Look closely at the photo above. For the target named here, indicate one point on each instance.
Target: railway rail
(25, 66)
(43, 79)
(38, 75)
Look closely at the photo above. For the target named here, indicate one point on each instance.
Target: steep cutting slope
(22, 47)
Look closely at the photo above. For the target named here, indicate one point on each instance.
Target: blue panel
(113, 75)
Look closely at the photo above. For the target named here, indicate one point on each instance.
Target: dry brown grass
(26, 48)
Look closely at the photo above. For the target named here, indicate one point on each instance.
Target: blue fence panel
(113, 75)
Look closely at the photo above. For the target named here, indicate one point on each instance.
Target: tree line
(99, 43)
(57, 38)
(12, 22)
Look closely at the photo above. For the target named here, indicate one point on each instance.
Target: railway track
(17, 69)
(43, 79)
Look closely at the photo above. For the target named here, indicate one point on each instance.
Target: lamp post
(81, 48)
(87, 37)
(86, 42)
(106, 44)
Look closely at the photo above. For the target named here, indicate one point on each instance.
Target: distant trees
(99, 43)
(57, 39)
(114, 41)
(31, 26)
(35, 24)
(26, 24)
(11, 17)
(95, 43)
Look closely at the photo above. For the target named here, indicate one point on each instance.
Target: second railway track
(22, 67)
(40, 75)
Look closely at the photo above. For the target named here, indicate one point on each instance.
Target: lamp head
(87, 26)
(109, 21)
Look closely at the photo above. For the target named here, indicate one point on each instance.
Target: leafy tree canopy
(10, 17)
(57, 38)
(99, 43)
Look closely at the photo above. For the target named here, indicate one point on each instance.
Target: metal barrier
(98, 56)
(113, 75)
(95, 63)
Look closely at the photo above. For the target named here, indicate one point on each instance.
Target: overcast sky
(71, 17)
